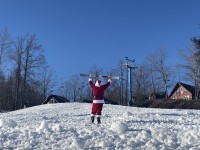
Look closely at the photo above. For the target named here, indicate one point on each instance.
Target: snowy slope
(66, 126)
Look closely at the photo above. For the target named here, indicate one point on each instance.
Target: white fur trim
(98, 115)
(90, 79)
(109, 80)
(97, 84)
(98, 101)
(92, 115)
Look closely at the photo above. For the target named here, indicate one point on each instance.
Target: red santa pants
(96, 109)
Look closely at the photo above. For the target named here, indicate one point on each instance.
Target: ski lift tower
(130, 67)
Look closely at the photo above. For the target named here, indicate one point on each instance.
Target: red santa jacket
(98, 90)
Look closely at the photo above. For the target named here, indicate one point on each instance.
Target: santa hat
(98, 83)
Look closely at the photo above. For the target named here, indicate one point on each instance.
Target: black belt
(99, 97)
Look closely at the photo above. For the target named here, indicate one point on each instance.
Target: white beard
(97, 84)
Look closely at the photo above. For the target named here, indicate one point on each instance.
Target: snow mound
(43, 126)
(127, 114)
(77, 143)
(57, 128)
(119, 127)
(7, 123)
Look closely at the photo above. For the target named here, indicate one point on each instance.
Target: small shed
(56, 99)
(182, 91)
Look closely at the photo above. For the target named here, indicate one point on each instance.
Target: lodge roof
(58, 99)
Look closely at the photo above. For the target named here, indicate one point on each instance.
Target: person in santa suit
(98, 98)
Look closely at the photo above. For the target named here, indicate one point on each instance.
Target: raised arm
(107, 84)
(90, 82)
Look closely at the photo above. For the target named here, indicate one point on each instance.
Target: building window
(181, 92)
(187, 97)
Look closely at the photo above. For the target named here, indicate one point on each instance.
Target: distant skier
(98, 98)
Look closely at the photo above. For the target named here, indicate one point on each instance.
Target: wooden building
(182, 91)
(55, 99)
(154, 96)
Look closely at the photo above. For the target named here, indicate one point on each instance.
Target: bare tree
(24, 77)
(117, 91)
(142, 83)
(191, 64)
(17, 57)
(5, 48)
(73, 89)
(33, 63)
(96, 71)
(5, 44)
(159, 68)
(123, 100)
(28, 59)
(114, 92)
(46, 81)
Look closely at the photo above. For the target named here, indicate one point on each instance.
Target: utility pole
(129, 76)
(62, 86)
(165, 85)
(121, 87)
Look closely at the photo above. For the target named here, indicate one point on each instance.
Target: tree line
(154, 75)
(25, 77)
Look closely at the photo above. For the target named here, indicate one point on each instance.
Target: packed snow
(66, 126)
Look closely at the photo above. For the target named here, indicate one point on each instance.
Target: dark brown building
(182, 91)
(154, 96)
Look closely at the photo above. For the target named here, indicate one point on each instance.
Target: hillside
(66, 127)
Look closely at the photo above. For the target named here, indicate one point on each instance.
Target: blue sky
(80, 34)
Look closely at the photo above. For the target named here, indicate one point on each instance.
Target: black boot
(92, 119)
(98, 120)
